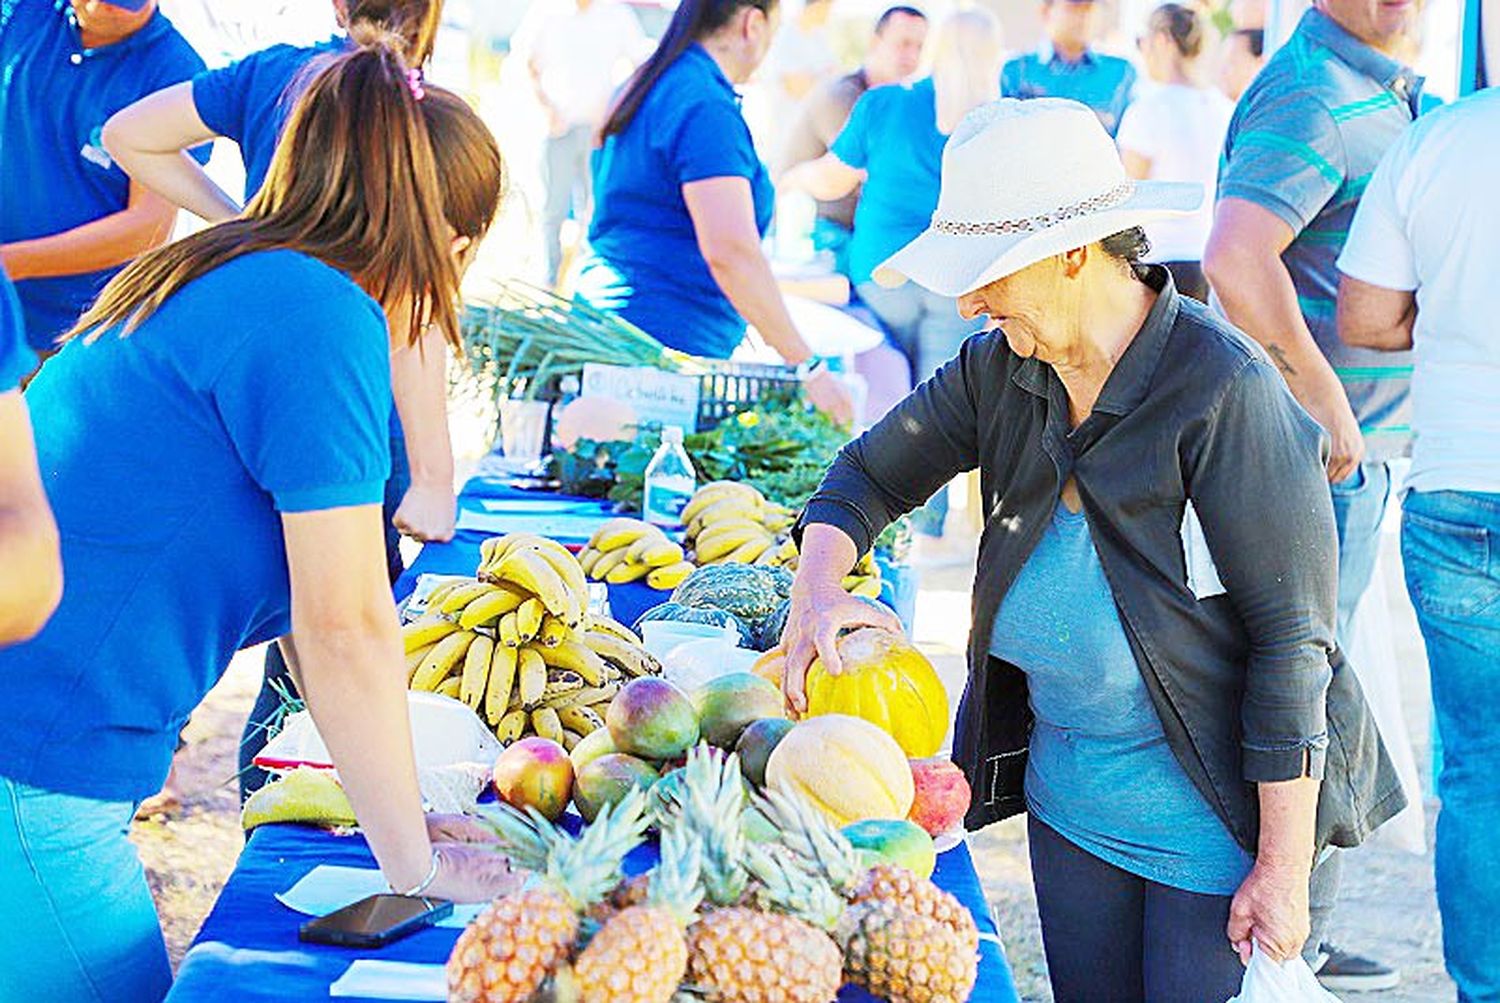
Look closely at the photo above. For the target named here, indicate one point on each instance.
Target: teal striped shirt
(1303, 142)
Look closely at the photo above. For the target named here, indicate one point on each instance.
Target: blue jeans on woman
(927, 329)
(79, 922)
(1450, 546)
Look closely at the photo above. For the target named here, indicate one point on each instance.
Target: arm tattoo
(1278, 355)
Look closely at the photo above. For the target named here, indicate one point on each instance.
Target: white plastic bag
(1268, 981)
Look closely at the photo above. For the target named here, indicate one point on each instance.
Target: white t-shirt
(1430, 222)
(581, 54)
(1180, 129)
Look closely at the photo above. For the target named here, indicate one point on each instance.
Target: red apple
(943, 794)
(537, 772)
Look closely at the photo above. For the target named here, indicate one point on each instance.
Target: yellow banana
(441, 659)
(659, 555)
(511, 542)
(527, 569)
(717, 491)
(869, 588)
(511, 726)
(724, 544)
(508, 629)
(529, 619)
(428, 630)
(449, 687)
(634, 551)
(568, 569)
(560, 682)
(488, 608)
(726, 528)
(571, 654)
(619, 533)
(435, 597)
(570, 740)
(590, 696)
(747, 552)
(726, 509)
(669, 577)
(476, 671)
(587, 558)
(608, 625)
(553, 632)
(532, 672)
(607, 562)
(461, 596)
(415, 658)
(580, 719)
(635, 660)
(502, 679)
(623, 573)
(545, 723)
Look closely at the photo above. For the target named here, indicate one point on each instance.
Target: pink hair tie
(414, 81)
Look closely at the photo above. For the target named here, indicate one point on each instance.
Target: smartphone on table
(375, 921)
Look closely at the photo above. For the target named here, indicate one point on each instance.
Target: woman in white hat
(1153, 674)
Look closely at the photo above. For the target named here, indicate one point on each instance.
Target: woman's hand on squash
(820, 612)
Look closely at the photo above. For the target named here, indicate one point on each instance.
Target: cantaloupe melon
(846, 766)
(888, 682)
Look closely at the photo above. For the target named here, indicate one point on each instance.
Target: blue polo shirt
(169, 456)
(645, 263)
(55, 96)
(16, 358)
(1104, 83)
(248, 101)
(892, 133)
(1303, 142)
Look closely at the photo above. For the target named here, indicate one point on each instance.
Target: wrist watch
(810, 367)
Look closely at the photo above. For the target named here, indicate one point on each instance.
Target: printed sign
(656, 396)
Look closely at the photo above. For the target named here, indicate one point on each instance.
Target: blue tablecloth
(248, 952)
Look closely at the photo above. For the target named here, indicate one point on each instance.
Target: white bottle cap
(672, 434)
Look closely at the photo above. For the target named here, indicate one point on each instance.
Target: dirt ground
(1387, 909)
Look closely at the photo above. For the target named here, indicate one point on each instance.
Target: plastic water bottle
(670, 481)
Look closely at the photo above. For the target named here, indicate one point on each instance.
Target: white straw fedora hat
(1022, 181)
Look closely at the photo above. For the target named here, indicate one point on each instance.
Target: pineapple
(904, 957)
(896, 885)
(507, 952)
(741, 955)
(713, 806)
(807, 833)
(640, 955)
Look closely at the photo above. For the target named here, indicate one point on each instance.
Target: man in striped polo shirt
(1301, 146)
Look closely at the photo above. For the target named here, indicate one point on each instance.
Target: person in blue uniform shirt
(1065, 65)
(70, 218)
(32, 582)
(260, 522)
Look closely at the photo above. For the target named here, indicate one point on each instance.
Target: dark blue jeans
(278, 679)
(1112, 937)
(1450, 547)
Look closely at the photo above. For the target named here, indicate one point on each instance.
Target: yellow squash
(889, 683)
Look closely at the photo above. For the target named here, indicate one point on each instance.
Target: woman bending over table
(1153, 675)
(681, 199)
(214, 443)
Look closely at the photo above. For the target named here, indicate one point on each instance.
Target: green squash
(750, 591)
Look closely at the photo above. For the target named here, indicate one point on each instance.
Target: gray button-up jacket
(1249, 684)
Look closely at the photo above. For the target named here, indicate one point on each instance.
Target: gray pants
(569, 189)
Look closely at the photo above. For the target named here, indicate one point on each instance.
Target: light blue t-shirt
(1100, 771)
(248, 101)
(646, 265)
(1105, 83)
(168, 456)
(892, 134)
(55, 175)
(16, 359)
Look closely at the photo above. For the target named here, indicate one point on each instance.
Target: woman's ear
(460, 246)
(1074, 260)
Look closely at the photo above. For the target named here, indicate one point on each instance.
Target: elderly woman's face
(1021, 305)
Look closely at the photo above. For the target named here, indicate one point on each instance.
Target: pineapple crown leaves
(676, 882)
(519, 836)
(789, 884)
(807, 833)
(713, 809)
(585, 869)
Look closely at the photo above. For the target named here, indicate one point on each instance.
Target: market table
(248, 952)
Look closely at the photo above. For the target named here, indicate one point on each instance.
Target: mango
(535, 771)
(726, 705)
(757, 742)
(593, 745)
(942, 795)
(894, 841)
(652, 719)
(607, 780)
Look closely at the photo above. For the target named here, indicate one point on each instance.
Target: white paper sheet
(327, 888)
(1202, 573)
(558, 525)
(392, 980)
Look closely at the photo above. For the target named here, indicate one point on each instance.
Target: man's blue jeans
(79, 922)
(1450, 545)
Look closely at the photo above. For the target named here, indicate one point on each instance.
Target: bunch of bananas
(732, 523)
(522, 652)
(863, 580)
(627, 550)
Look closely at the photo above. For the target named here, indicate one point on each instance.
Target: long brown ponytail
(355, 183)
(415, 22)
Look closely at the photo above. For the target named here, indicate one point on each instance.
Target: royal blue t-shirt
(55, 96)
(168, 456)
(645, 263)
(16, 359)
(248, 101)
(892, 133)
